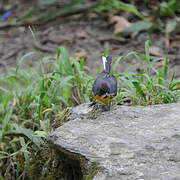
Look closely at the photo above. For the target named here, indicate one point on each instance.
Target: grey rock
(128, 143)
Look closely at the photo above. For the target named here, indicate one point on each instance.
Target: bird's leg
(92, 103)
(106, 107)
(109, 106)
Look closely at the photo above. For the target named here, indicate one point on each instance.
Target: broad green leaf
(42, 134)
(127, 7)
(29, 134)
(137, 27)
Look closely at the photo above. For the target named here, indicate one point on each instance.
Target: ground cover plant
(153, 84)
(32, 98)
(147, 15)
(29, 99)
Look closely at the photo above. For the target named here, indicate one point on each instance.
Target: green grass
(162, 9)
(152, 85)
(109, 5)
(162, 16)
(32, 98)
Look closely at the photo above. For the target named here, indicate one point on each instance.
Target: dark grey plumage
(105, 84)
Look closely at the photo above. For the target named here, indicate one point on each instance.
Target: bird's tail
(107, 63)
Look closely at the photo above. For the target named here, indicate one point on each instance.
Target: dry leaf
(120, 23)
(81, 34)
(175, 43)
(57, 38)
(156, 51)
(170, 26)
(160, 63)
(177, 86)
(80, 55)
(111, 39)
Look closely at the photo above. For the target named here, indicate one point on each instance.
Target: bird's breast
(103, 99)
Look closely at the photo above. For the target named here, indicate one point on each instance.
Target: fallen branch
(43, 48)
(49, 16)
(11, 24)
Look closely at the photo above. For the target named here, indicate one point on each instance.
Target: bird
(104, 88)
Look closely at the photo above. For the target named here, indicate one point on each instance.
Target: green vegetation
(148, 16)
(106, 5)
(152, 85)
(36, 99)
(165, 8)
(32, 98)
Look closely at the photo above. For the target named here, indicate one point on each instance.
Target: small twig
(4, 65)
(11, 24)
(9, 55)
(75, 99)
(40, 47)
(79, 94)
(1, 5)
(15, 135)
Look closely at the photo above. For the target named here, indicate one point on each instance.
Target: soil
(86, 35)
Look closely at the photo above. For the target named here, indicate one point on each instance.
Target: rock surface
(127, 142)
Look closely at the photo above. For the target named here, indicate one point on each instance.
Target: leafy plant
(169, 7)
(152, 85)
(32, 98)
(106, 5)
(146, 19)
(137, 27)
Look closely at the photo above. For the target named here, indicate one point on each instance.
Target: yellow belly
(103, 100)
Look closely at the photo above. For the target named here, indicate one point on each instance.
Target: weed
(106, 5)
(31, 99)
(148, 19)
(152, 85)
